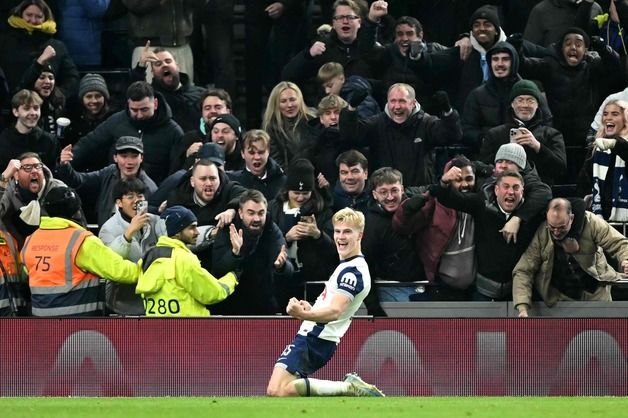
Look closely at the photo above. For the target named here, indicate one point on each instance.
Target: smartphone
(514, 133)
(307, 218)
(141, 207)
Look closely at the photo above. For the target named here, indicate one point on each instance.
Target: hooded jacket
(160, 135)
(489, 105)
(405, 146)
(173, 283)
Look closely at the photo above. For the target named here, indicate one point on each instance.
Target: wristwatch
(3, 179)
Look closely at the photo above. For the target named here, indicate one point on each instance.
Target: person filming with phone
(130, 232)
(544, 146)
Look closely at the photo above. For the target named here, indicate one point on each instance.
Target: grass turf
(260, 407)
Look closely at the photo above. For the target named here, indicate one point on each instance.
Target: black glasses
(30, 167)
(346, 17)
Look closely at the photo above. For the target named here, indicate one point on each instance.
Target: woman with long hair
(43, 81)
(29, 42)
(285, 120)
(604, 173)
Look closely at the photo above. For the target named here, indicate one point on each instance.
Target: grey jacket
(121, 298)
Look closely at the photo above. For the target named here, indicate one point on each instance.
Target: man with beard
(212, 197)
(444, 237)
(558, 270)
(226, 131)
(147, 117)
(24, 185)
(99, 185)
(172, 282)
(212, 103)
(390, 255)
(26, 135)
(182, 95)
(261, 172)
(493, 280)
(254, 242)
(403, 135)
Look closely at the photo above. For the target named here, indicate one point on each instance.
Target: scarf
(618, 183)
(49, 27)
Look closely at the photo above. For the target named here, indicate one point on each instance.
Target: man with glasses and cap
(24, 184)
(98, 185)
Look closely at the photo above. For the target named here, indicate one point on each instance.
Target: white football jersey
(351, 278)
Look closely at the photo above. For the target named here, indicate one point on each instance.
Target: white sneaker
(362, 388)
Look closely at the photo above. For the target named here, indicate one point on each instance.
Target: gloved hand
(416, 49)
(516, 40)
(357, 97)
(414, 204)
(597, 43)
(605, 143)
(441, 101)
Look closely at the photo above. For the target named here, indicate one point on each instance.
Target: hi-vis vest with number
(58, 286)
(9, 269)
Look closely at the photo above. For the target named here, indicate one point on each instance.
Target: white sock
(318, 387)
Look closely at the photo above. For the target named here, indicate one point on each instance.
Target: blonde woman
(286, 121)
(604, 173)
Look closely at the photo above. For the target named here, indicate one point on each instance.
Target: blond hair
(350, 216)
(253, 136)
(331, 102)
(624, 111)
(328, 71)
(273, 119)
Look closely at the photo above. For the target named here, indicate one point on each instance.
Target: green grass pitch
(260, 407)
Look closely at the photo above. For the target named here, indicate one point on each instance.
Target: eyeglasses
(385, 193)
(30, 167)
(345, 17)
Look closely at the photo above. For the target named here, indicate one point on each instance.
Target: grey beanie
(93, 82)
(512, 152)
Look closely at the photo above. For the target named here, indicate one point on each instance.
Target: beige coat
(536, 264)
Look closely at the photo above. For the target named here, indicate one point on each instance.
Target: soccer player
(327, 321)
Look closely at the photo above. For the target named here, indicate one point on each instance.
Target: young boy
(327, 321)
(331, 76)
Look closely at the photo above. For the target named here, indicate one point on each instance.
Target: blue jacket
(81, 29)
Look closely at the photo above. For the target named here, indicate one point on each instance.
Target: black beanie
(177, 218)
(62, 202)
(300, 176)
(487, 12)
(230, 120)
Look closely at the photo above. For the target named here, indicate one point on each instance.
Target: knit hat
(230, 120)
(62, 202)
(47, 68)
(579, 31)
(130, 143)
(300, 176)
(525, 87)
(177, 218)
(487, 12)
(93, 82)
(212, 152)
(512, 152)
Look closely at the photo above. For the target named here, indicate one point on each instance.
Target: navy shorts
(305, 355)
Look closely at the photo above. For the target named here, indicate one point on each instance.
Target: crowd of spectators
(466, 132)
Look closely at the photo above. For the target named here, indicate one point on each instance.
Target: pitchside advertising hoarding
(235, 357)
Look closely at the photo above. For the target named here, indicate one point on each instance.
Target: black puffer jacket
(488, 105)
(160, 135)
(405, 146)
(163, 22)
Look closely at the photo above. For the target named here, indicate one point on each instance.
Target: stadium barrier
(235, 356)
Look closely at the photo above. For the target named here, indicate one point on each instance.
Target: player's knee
(274, 391)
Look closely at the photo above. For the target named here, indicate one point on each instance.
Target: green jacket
(537, 263)
(175, 284)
